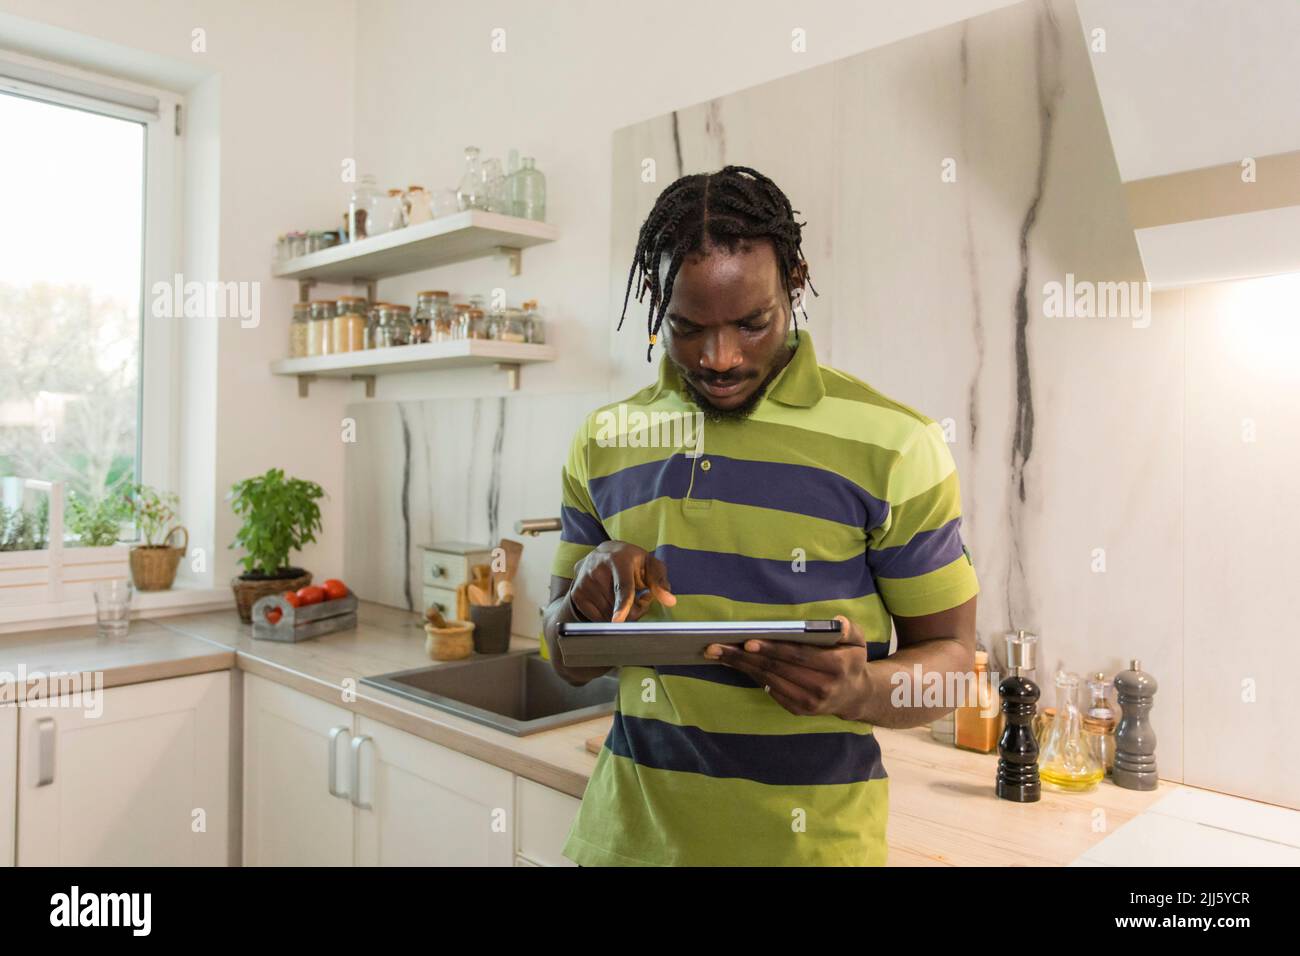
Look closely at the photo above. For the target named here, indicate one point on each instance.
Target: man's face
(726, 327)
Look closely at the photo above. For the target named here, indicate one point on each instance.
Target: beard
(746, 408)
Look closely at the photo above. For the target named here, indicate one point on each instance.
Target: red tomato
(291, 598)
(274, 615)
(334, 589)
(311, 594)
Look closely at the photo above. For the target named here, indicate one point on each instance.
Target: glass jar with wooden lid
(298, 329)
(320, 332)
(477, 325)
(350, 324)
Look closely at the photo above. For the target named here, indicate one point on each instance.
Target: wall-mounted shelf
(430, 356)
(456, 238)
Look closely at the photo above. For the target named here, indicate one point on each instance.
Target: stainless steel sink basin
(518, 693)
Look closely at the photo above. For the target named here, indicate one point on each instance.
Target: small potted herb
(280, 516)
(154, 563)
(97, 524)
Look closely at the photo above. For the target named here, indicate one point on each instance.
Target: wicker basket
(153, 567)
(247, 593)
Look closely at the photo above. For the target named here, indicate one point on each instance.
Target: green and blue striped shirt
(829, 499)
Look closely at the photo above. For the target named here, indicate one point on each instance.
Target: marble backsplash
(454, 469)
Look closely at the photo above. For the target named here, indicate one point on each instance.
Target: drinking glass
(113, 607)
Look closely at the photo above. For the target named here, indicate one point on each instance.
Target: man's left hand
(804, 679)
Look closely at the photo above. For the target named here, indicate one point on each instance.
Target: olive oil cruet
(1067, 762)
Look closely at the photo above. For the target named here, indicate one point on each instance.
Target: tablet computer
(651, 643)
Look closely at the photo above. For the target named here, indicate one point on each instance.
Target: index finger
(625, 588)
(656, 576)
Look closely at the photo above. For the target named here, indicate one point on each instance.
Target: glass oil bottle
(1067, 762)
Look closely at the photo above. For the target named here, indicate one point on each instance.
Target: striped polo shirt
(829, 499)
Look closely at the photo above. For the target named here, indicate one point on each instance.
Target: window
(88, 225)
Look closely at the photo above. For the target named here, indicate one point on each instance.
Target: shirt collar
(798, 384)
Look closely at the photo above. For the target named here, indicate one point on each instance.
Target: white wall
(428, 84)
(271, 119)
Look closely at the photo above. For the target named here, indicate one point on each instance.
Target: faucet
(535, 526)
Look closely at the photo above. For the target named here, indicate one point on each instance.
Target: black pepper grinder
(1017, 748)
(1135, 741)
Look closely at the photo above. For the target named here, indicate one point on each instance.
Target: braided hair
(720, 209)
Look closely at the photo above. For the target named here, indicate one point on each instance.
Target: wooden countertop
(942, 808)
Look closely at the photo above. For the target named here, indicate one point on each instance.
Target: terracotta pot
(249, 590)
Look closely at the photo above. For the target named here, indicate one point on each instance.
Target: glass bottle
(494, 187)
(979, 723)
(470, 194)
(320, 334)
(298, 329)
(1067, 762)
(1100, 721)
(530, 191)
(363, 195)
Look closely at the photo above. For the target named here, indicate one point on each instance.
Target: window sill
(181, 599)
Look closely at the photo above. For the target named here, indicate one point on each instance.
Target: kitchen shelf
(456, 238)
(429, 356)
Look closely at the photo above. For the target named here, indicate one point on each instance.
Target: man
(814, 497)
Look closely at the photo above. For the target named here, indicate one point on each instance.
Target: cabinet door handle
(45, 738)
(357, 742)
(334, 759)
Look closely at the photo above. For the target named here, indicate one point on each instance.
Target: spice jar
(402, 325)
(477, 325)
(298, 329)
(534, 323)
(350, 324)
(426, 309)
(320, 332)
(513, 326)
(460, 321)
(443, 317)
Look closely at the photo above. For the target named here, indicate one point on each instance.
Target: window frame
(157, 394)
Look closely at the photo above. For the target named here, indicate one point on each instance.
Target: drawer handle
(357, 743)
(45, 736)
(334, 760)
(437, 570)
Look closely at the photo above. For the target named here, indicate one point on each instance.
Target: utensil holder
(491, 627)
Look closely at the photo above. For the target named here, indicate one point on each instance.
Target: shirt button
(705, 465)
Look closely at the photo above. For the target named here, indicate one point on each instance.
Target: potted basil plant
(280, 516)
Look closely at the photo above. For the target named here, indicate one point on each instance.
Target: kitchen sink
(519, 693)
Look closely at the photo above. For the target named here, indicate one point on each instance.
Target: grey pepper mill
(1135, 741)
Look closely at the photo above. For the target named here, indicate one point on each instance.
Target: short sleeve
(580, 527)
(916, 556)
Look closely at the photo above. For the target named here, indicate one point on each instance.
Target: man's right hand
(618, 581)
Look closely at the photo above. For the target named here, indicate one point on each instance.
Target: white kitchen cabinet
(296, 760)
(426, 805)
(139, 778)
(8, 782)
(544, 817)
